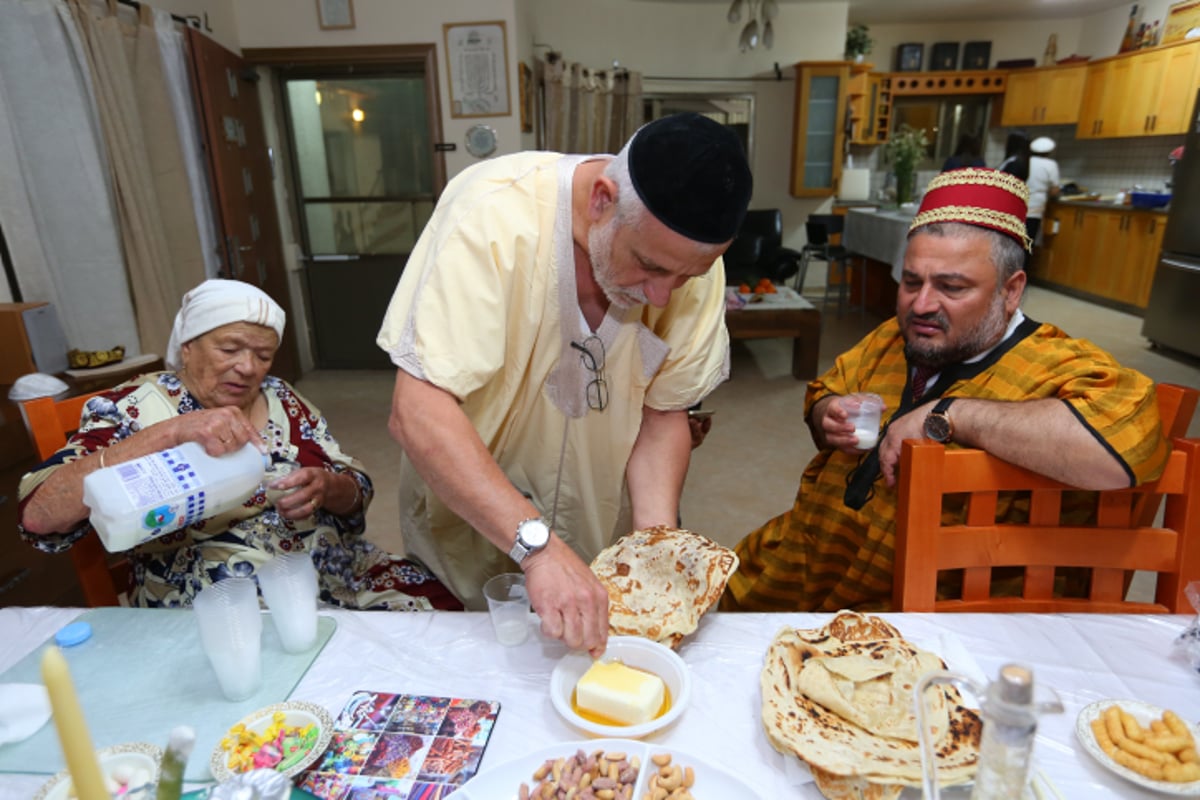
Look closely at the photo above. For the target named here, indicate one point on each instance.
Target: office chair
(758, 252)
(821, 229)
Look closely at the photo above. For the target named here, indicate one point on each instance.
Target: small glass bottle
(1009, 726)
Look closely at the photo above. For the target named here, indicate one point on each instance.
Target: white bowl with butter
(622, 694)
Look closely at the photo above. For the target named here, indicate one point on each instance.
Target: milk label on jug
(135, 501)
(167, 483)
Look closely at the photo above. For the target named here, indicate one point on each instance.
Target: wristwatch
(532, 535)
(937, 424)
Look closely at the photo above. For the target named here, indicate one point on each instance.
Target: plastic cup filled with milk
(866, 411)
(138, 500)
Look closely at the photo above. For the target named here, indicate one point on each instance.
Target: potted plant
(858, 43)
(904, 149)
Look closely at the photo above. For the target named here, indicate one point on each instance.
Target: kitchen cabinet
(870, 100)
(1147, 93)
(818, 130)
(1106, 253)
(1158, 101)
(1047, 96)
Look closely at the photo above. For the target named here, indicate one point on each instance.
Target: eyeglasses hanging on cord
(591, 353)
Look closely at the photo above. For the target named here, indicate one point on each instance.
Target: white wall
(288, 23)
(1010, 40)
(672, 44)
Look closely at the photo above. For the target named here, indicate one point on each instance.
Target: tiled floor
(749, 467)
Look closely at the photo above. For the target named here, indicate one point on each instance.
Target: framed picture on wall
(909, 57)
(335, 15)
(944, 56)
(477, 62)
(977, 55)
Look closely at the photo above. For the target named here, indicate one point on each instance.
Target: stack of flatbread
(661, 580)
(841, 699)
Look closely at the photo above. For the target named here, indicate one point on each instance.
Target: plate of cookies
(1144, 744)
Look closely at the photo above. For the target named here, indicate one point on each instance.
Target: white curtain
(55, 200)
(588, 110)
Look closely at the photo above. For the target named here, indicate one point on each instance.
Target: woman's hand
(310, 488)
(217, 430)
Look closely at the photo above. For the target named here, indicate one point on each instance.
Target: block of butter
(620, 693)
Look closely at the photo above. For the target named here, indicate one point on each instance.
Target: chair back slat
(50, 422)
(1111, 545)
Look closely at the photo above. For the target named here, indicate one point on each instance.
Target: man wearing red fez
(557, 317)
(959, 363)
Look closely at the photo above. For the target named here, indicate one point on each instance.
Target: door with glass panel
(365, 178)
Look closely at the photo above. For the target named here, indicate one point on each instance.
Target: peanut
(584, 776)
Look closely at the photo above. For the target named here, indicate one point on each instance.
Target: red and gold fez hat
(988, 198)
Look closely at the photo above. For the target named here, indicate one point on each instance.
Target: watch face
(534, 533)
(937, 427)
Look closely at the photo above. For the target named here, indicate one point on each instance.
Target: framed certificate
(477, 63)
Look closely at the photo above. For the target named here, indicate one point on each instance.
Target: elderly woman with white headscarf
(217, 392)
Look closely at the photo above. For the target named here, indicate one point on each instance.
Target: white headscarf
(218, 302)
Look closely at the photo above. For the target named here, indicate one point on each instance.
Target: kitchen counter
(1110, 206)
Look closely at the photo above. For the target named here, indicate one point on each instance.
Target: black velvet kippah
(692, 175)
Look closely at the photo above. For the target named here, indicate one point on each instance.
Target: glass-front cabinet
(818, 133)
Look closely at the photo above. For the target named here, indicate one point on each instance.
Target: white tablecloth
(1082, 657)
(879, 234)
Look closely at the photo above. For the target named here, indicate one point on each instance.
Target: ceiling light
(735, 11)
(357, 115)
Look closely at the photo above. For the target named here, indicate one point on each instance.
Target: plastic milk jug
(135, 501)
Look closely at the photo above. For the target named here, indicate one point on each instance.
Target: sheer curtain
(144, 157)
(588, 110)
(103, 190)
(55, 201)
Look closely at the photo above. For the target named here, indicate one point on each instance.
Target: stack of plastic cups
(231, 632)
(289, 585)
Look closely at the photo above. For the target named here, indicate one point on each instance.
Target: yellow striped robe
(823, 556)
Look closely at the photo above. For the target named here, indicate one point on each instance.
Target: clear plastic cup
(277, 470)
(866, 411)
(289, 585)
(508, 606)
(231, 634)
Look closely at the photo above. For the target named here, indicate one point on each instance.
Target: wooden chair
(104, 579)
(1121, 539)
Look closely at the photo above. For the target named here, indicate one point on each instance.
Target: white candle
(86, 776)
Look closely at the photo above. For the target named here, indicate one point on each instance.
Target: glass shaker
(1009, 716)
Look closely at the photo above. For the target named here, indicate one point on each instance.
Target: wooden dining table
(1080, 658)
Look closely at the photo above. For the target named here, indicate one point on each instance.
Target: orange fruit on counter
(770, 289)
(760, 289)
(744, 288)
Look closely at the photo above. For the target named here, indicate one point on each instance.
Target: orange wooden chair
(103, 578)
(1121, 539)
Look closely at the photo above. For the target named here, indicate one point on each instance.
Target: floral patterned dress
(169, 570)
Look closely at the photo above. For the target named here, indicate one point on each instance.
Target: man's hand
(568, 597)
(909, 426)
(833, 423)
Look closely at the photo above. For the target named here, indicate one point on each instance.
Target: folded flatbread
(844, 706)
(661, 580)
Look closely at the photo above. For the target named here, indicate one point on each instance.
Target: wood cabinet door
(1061, 92)
(1096, 262)
(1091, 108)
(818, 132)
(1145, 82)
(1145, 235)
(1059, 241)
(1021, 98)
(1177, 87)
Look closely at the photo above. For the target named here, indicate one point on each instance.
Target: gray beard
(600, 241)
(984, 334)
